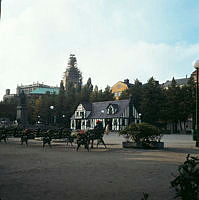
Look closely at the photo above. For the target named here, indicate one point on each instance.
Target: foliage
(157, 105)
(152, 101)
(8, 110)
(160, 106)
(73, 76)
(142, 132)
(136, 91)
(186, 183)
(145, 196)
(86, 91)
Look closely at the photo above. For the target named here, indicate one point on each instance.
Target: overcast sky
(112, 40)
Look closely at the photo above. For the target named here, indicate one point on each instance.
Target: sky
(112, 39)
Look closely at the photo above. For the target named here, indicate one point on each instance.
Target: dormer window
(112, 109)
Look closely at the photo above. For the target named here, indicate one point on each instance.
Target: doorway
(78, 123)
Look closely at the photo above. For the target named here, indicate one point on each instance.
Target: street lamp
(195, 64)
(53, 118)
(140, 115)
(51, 107)
(63, 119)
(38, 118)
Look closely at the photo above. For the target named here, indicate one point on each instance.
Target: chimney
(126, 81)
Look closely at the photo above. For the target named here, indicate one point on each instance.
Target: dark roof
(115, 106)
(127, 83)
(99, 109)
(181, 81)
(87, 106)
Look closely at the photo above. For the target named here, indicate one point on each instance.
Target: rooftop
(45, 90)
(179, 82)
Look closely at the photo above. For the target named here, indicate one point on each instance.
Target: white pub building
(117, 114)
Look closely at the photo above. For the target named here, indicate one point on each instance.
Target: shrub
(186, 183)
(142, 133)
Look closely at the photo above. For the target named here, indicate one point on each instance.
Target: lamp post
(38, 119)
(140, 115)
(63, 119)
(52, 118)
(195, 64)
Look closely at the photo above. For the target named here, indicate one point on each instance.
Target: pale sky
(112, 40)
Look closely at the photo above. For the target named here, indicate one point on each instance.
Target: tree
(86, 91)
(8, 110)
(152, 100)
(173, 104)
(60, 104)
(94, 95)
(73, 76)
(135, 91)
(107, 94)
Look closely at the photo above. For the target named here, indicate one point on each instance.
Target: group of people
(83, 137)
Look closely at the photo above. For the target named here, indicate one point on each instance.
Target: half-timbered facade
(117, 114)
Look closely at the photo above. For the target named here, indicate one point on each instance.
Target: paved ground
(62, 173)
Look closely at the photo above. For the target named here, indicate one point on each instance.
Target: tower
(72, 75)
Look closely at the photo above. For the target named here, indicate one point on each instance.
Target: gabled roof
(115, 106)
(128, 84)
(99, 109)
(181, 81)
(87, 106)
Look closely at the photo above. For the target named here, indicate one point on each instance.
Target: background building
(179, 82)
(194, 76)
(36, 88)
(119, 87)
(8, 97)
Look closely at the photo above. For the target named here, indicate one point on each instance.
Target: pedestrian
(107, 129)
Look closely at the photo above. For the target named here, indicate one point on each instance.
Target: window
(119, 86)
(77, 114)
(115, 122)
(82, 114)
(123, 122)
(88, 124)
(110, 110)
